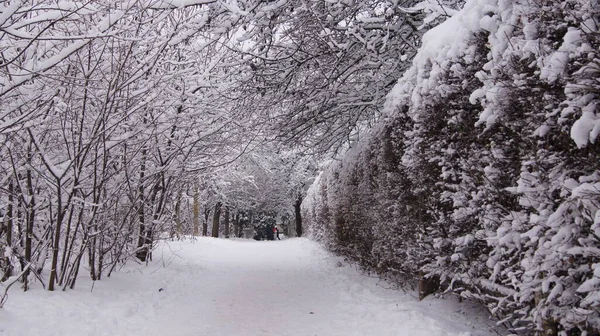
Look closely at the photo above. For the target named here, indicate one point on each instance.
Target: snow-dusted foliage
(326, 66)
(493, 187)
(109, 110)
(363, 206)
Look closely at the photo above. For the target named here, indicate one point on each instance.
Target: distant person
(270, 231)
(277, 233)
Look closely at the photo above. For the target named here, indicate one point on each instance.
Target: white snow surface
(237, 287)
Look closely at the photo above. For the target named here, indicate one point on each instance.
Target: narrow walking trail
(212, 286)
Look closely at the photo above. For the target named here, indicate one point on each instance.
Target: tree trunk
(66, 252)
(238, 225)
(141, 245)
(8, 268)
(75, 269)
(196, 210)
(205, 224)
(29, 226)
(92, 258)
(226, 230)
(298, 216)
(101, 253)
(56, 241)
(71, 247)
(9, 215)
(216, 220)
(178, 217)
(157, 208)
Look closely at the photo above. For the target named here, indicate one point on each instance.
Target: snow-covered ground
(236, 287)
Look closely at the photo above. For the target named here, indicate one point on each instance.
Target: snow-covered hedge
(486, 173)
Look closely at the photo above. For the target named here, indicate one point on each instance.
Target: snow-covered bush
(494, 182)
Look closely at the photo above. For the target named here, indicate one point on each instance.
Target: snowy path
(223, 287)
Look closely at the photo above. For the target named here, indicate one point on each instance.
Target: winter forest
(447, 146)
